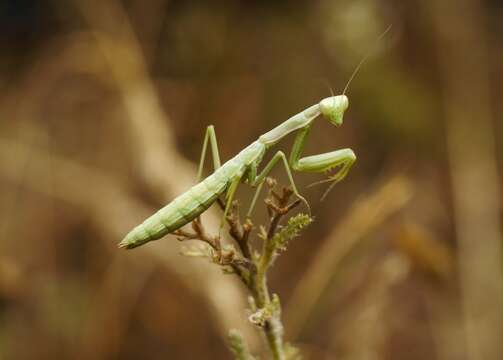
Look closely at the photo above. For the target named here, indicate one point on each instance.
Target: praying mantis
(243, 168)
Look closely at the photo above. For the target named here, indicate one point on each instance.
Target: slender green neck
(298, 121)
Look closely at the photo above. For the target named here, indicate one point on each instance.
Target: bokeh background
(103, 107)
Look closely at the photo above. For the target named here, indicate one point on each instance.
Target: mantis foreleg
(321, 162)
(258, 180)
(210, 134)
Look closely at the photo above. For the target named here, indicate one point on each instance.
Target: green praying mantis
(243, 168)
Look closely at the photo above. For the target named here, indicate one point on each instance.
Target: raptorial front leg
(343, 158)
(210, 134)
(258, 180)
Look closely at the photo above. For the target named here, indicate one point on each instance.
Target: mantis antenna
(365, 58)
(355, 71)
(327, 84)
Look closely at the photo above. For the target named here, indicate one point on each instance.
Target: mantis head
(333, 108)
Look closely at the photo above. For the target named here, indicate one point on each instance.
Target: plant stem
(253, 269)
(273, 328)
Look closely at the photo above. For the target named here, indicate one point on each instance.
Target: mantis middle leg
(258, 180)
(212, 137)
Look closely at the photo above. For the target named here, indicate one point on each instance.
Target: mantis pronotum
(243, 168)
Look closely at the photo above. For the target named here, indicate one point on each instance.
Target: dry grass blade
(463, 57)
(114, 210)
(154, 143)
(361, 219)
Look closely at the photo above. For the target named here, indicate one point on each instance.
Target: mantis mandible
(243, 167)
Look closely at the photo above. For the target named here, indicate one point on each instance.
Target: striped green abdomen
(182, 209)
(194, 201)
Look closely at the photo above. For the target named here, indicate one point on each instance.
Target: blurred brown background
(103, 106)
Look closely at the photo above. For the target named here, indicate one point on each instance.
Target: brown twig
(278, 207)
(240, 232)
(252, 271)
(222, 256)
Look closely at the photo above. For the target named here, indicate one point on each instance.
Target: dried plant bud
(227, 270)
(262, 233)
(292, 353)
(198, 250)
(276, 305)
(272, 309)
(248, 225)
(251, 302)
(260, 317)
(271, 183)
(287, 192)
(238, 346)
(227, 255)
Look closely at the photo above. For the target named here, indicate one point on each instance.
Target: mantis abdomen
(184, 208)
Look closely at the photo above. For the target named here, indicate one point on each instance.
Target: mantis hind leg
(343, 158)
(259, 180)
(231, 191)
(212, 137)
(210, 134)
